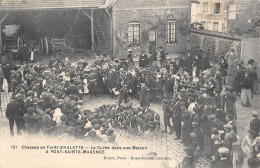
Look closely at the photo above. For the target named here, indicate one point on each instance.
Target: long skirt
(246, 97)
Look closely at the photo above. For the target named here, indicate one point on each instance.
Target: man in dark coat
(130, 56)
(167, 113)
(205, 62)
(14, 113)
(177, 119)
(162, 56)
(144, 96)
(189, 62)
(143, 60)
(73, 91)
(224, 162)
(255, 123)
(183, 62)
(174, 68)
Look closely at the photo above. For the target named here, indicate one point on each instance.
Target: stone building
(212, 14)
(144, 25)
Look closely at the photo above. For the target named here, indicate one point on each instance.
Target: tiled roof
(12, 5)
(123, 4)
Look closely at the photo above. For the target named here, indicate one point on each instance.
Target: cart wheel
(41, 46)
(47, 47)
(68, 53)
(19, 42)
(59, 54)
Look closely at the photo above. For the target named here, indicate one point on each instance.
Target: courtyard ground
(163, 144)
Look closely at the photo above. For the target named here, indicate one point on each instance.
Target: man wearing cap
(177, 119)
(255, 123)
(224, 162)
(228, 102)
(167, 113)
(73, 91)
(14, 113)
(230, 136)
(32, 121)
(231, 59)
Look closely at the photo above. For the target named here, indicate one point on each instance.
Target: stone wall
(214, 42)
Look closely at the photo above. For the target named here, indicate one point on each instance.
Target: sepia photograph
(129, 83)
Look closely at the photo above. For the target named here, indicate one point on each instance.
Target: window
(217, 8)
(215, 26)
(134, 33)
(152, 35)
(205, 7)
(171, 31)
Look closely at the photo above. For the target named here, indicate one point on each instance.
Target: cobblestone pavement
(163, 144)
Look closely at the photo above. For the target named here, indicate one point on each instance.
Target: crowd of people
(198, 105)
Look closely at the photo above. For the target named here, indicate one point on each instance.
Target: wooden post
(1, 38)
(92, 29)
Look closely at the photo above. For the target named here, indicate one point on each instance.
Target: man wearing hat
(255, 123)
(224, 162)
(14, 113)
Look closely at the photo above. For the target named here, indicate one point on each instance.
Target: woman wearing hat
(247, 147)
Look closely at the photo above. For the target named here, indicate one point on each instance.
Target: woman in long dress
(237, 154)
(246, 88)
(247, 146)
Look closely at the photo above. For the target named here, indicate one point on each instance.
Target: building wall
(208, 16)
(152, 14)
(215, 42)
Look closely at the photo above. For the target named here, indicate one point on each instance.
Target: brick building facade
(144, 25)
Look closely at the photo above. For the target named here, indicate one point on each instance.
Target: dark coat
(204, 63)
(144, 96)
(143, 60)
(222, 164)
(14, 110)
(255, 125)
(72, 90)
(183, 63)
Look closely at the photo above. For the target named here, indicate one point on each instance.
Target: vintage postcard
(129, 83)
